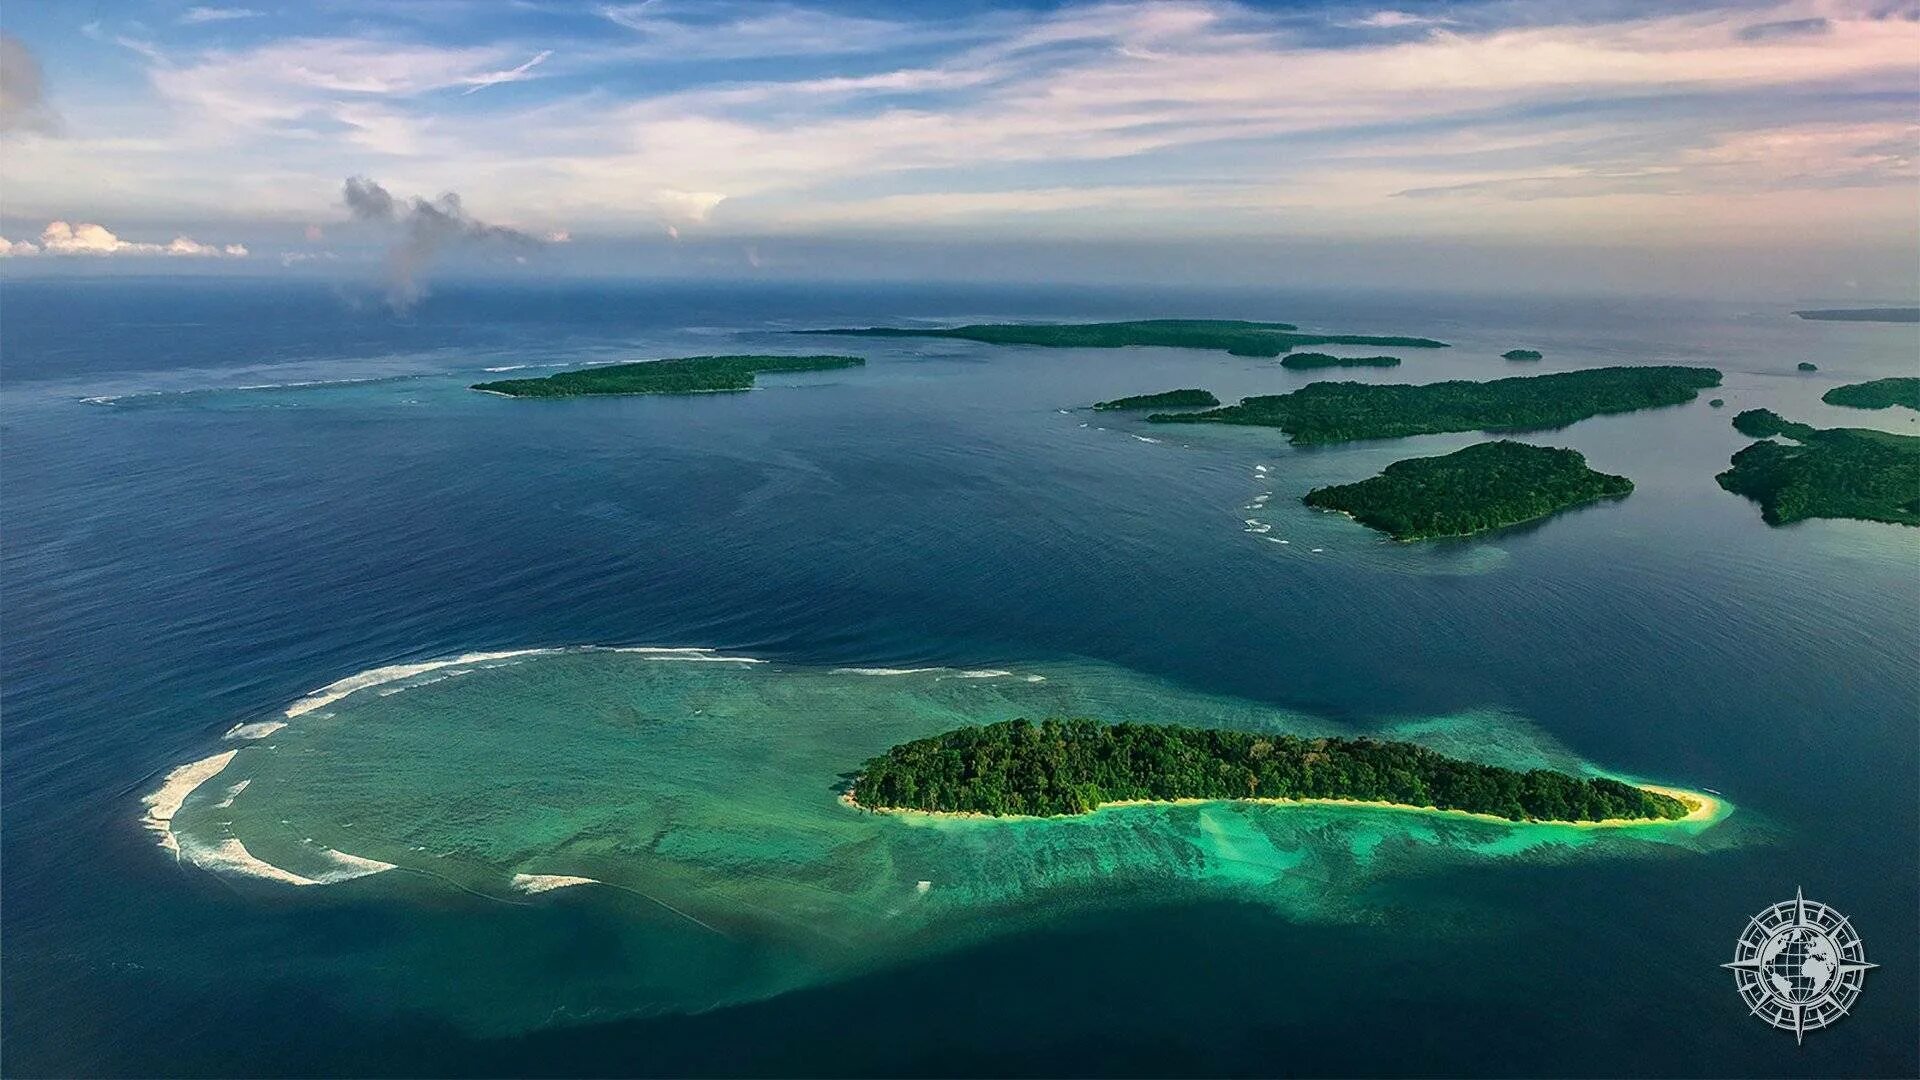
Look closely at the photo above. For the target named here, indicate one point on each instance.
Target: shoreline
(1700, 808)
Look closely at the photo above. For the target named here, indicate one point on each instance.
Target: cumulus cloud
(23, 94)
(88, 238)
(425, 230)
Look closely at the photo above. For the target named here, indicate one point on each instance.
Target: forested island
(1325, 360)
(1073, 766)
(1521, 354)
(1169, 399)
(1886, 314)
(1238, 337)
(1483, 487)
(685, 375)
(1328, 412)
(1877, 394)
(1825, 472)
(1807, 365)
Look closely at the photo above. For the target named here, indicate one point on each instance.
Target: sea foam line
(230, 856)
(165, 801)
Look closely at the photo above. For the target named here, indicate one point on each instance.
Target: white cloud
(17, 248)
(1394, 20)
(196, 15)
(495, 78)
(87, 238)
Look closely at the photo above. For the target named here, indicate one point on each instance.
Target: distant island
(1877, 394)
(1807, 365)
(1235, 336)
(1488, 486)
(685, 375)
(1329, 412)
(1325, 360)
(1169, 399)
(1825, 472)
(1521, 354)
(1882, 314)
(1717, 402)
(1074, 766)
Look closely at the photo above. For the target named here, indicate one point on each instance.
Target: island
(685, 375)
(1330, 412)
(1236, 336)
(1483, 487)
(1876, 394)
(1717, 402)
(1886, 314)
(1073, 766)
(1323, 360)
(1521, 354)
(1168, 399)
(1807, 365)
(1852, 473)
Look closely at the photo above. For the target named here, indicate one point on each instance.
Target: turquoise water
(221, 497)
(705, 788)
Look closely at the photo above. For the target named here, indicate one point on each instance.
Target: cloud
(426, 229)
(1395, 20)
(495, 78)
(89, 239)
(1785, 28)
(23, 96)
(194, 16)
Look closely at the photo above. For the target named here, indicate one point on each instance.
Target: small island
(1475, 490)
(1807, 365)
(1074, 766)
(685, 375)
(1717, 402)
(1304, 360)
(1877, 394)
(1330, 412)
(1236, 336)
(1521, 354)
(1168, 399)
(1887, 314)
(1825, 472)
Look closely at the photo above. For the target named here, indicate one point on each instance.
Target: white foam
(984, 673)
(1260, 468)
(163, 803)
(922, 886)
(508, 367)
(230, 856)
(1318, 550)
(1036, 678)
(1276, 540)
(232, 793)
(1143, 438)
(351, 866)
(885, 670)
(379, 676)
(257, 730)
(539, 883)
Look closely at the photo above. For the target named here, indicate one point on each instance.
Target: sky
(1603, 145)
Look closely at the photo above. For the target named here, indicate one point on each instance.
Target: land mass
(1323, 360)
(1825, 472)
(1475, 490)
(685, 375)
(1521, 354)
(1169, 399)
(1329, 412)
(1888, 314)
(1877, 394)
(1073, 766)
(1236, 336)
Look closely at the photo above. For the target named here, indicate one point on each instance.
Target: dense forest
(1825, 472)
(1324, 360)
(1327, 412)
(1487, 486)
(1238, 337)
(686, 375)
(1072, 766)
(1521, 354)
(1877, 394)
(1167, 399)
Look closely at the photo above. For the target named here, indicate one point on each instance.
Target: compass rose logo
(1799, 965)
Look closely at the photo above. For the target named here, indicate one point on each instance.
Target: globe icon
(1799, 964)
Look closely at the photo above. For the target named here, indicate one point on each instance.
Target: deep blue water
(190, 538)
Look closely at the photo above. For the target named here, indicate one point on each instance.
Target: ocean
(218, 497)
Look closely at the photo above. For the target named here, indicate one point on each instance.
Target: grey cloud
(427, 228)
(1768, 31)
(23, 94)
